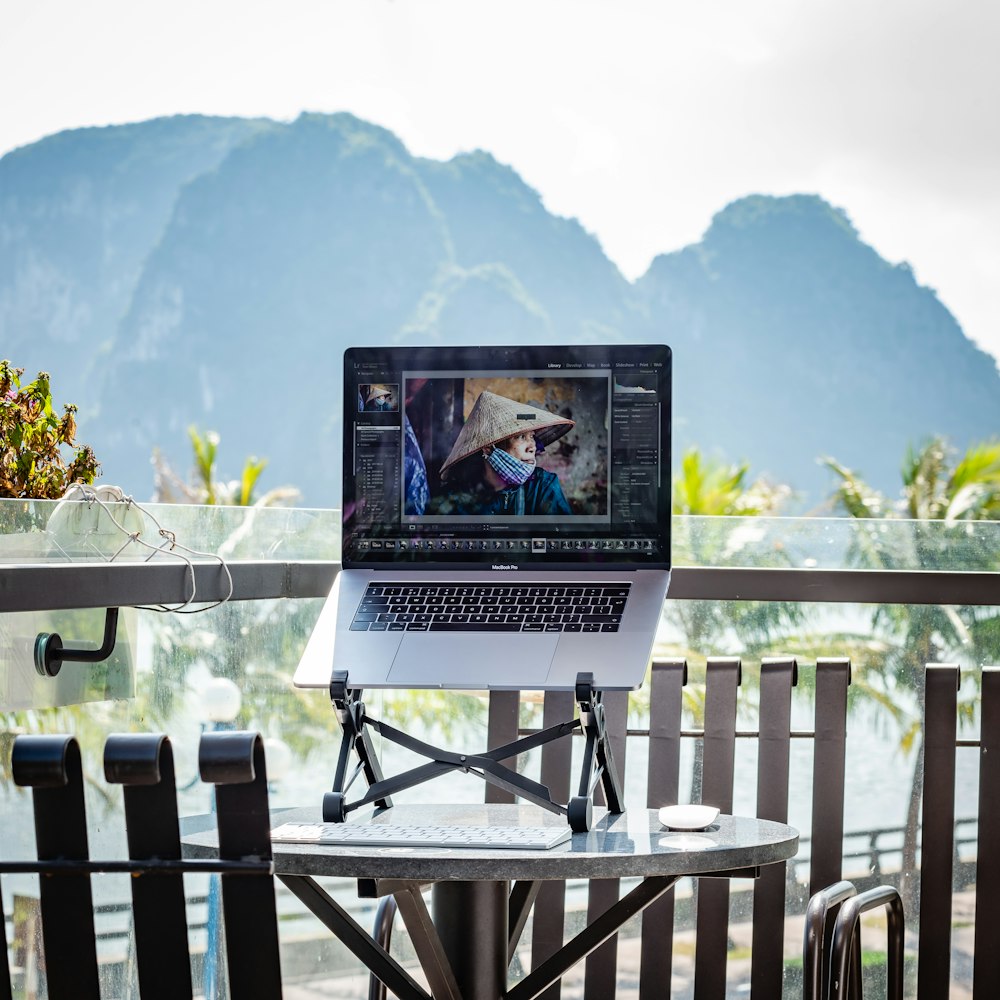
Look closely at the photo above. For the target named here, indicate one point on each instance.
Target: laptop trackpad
(472, 660)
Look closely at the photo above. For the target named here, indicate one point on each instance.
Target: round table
(464, 942)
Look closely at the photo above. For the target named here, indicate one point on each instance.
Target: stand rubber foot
(334, 810)
(580, 813)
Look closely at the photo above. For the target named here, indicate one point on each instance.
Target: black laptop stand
(598, 763)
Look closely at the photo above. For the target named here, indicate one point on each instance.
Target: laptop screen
(517, 458)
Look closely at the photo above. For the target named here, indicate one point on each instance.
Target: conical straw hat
(494, 418)
(377, 390)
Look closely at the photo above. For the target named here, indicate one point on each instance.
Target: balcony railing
(889, 594)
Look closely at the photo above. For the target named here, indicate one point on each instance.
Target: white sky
(641, 118)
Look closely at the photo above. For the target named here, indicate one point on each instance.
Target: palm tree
(255, 640)
(206, 488)
(939, 485)
(712, 487)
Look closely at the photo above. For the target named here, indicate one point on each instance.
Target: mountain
(80, 212)
(494, 218)
(211, 271)
(794, 340)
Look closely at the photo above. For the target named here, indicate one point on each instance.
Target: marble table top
(633, 843)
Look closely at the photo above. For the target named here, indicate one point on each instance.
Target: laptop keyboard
(398, 607)
(394, 835)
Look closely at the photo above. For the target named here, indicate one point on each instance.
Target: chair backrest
(986, 973)
(938, 848)
(719, 738)
(845, 958)
(143, 764)
(778, 677)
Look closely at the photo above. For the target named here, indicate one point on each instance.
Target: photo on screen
(374, 397)
(506, 446)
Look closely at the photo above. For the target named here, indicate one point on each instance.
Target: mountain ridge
(211, 271)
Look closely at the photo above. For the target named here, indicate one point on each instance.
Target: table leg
(471, 920)
(355, 937)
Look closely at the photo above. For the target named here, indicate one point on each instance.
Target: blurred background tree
(703, 487)
(939, 483)
(257, 642)
(713, 486)
(205, 488)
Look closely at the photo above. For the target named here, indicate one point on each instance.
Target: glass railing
(836, 543)
(58, 531)
(166, 668)
(50, 531)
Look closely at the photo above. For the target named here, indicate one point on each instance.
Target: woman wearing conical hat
(492, 468)
(379, 397)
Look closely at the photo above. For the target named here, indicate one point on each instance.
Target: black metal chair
(844, 968)
(724, 674)
(143, 765)
(818, 937)
(831, 950)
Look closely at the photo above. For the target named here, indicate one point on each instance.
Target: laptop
(506, 518)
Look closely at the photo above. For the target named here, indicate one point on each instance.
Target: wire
(168, 547)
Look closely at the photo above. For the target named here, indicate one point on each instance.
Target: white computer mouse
(689, 817)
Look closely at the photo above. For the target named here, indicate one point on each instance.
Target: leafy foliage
(715, 487)
(712, 486)
(939, 485)
(32, 438)
(206, 488)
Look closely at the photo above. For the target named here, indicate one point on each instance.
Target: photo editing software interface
(507, 457)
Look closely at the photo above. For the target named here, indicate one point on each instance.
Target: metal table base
(466, 943)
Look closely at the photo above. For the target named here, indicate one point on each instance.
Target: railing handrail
(56, 586)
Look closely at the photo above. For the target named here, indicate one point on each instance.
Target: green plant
(707, 487)
(938, 484)
(713, 486)
(205, 488)
(32, 438)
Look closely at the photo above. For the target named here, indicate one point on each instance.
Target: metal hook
(50, 652)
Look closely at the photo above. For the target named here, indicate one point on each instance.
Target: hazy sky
(641, 119)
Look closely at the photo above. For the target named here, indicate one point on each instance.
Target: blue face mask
(510, 469)
(383, 404)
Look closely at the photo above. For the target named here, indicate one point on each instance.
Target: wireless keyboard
(529, 838)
